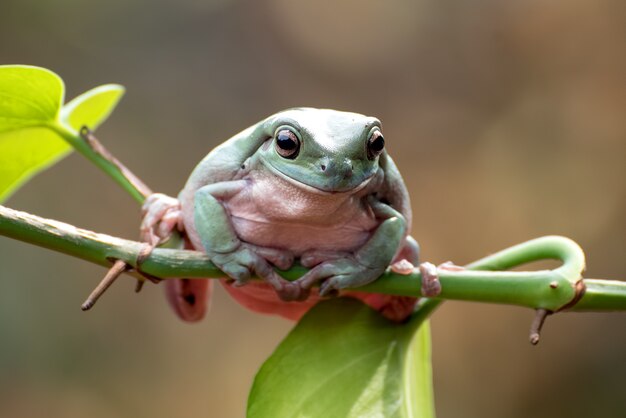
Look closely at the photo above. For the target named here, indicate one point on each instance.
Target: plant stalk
(552, 290)
(86, 144)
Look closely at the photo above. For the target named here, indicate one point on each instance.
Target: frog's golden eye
(375, 145)
(287, 143)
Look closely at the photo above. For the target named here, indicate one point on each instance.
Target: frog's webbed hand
(160, 214)
(366, 264)
(238, 259)
(340, 274)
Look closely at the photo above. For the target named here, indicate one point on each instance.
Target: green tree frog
(313, 185)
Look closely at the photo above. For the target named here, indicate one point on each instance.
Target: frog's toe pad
(404, 267)
(431, 286)
(450, 266)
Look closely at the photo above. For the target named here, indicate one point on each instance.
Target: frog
(306, 185)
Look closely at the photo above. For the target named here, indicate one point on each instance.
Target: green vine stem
(86, 143)
(552, 290)
(547, 290)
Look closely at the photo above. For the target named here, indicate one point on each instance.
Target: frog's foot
(247, 259)
(339, 274)
(161, 214)
(313, 258)
(431, 287)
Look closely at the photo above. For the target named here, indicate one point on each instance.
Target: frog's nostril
(323, 167)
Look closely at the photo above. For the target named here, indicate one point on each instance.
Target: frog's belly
(300, 238)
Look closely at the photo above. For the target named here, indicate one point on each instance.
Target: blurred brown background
(505, 117)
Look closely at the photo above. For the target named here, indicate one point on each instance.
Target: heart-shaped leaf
(30, 100)
(30, 110)
(344, 360)
(29, 96)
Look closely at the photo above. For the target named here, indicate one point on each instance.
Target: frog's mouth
(338, 185)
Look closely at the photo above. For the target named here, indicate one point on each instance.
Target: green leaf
(31, 117)
(30, 100)
(24, 153)
(29, 96)
(344, 360)
(93, 107)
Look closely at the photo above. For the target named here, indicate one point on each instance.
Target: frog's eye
(375, 145)
(287, 143)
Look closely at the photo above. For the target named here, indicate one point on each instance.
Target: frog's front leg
(234, 257)
(366, 264)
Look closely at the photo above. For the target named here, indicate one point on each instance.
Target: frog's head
(327, 150)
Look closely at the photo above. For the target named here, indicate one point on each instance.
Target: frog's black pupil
(378, 144)
(285, 141)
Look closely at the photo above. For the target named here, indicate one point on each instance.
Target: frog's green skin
(339, 208)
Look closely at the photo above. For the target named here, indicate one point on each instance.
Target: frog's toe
(330, 287)
(282, 261)
(313, 258)
(171, 220)
(238, 273)
(316, 274)
(280, 258)
(286, 290)
(309, 261)
(431, 287)
(292, 291)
